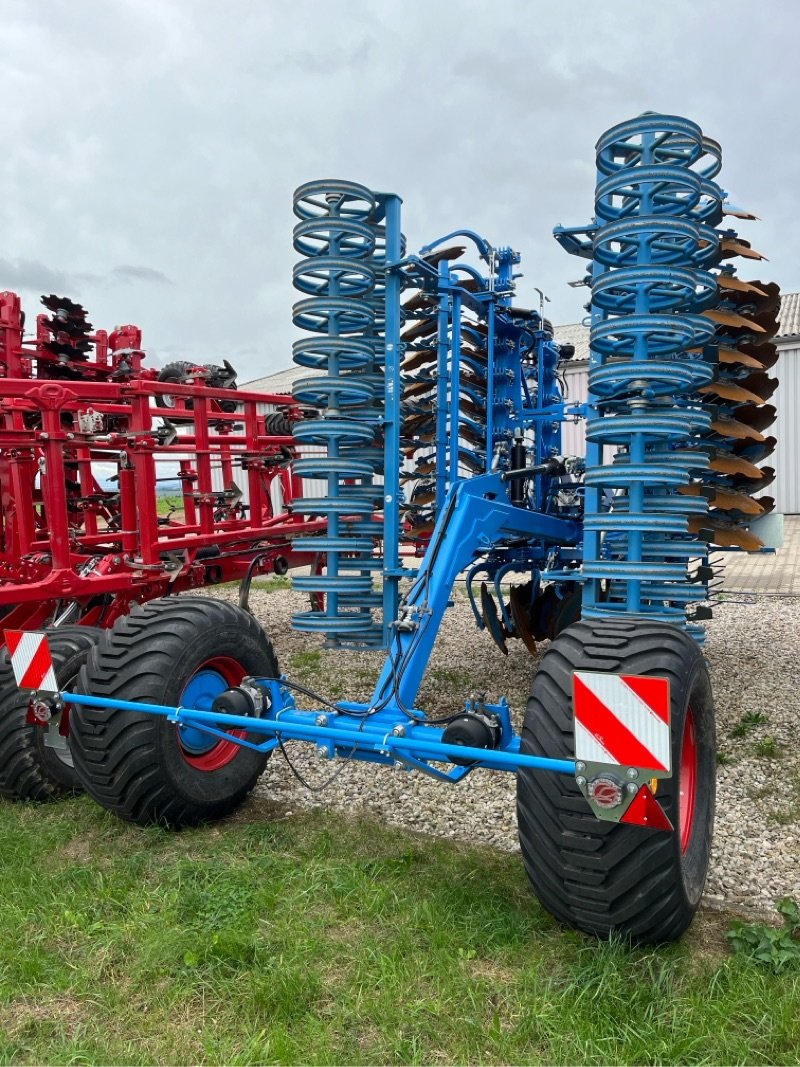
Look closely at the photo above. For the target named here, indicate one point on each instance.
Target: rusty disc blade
(766, 353)
(761, 384)
(420, 358)
(467, 406)
(724, 536)
(519, 602)
(472, 285)
(739, 247)
(419, 301)
(727, 463)
(738, 430)
(478, 327)
(475, 463)
(491, 619)
(758, 418)
(755, 451)
(419, 329)
(411, 430)
(469, 433)
(739, 213)
(453, 252)
(773, 294)
(425, 529)
(421, 499)
(424, 468)
(732, 320)
(731, 391)
(417, 389)
(751, 485)
(731, 500)
(730, 281)
(734, 356)
(417, 406)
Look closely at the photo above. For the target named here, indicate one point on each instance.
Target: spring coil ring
(337, 277)
(370, 454)
(656, 205)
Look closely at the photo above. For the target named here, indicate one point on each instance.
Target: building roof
(280, 382)
(789, 316)
(574, 333)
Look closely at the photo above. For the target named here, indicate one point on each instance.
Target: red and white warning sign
(622, 719)
(31, 660)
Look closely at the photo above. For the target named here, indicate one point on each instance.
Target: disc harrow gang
(422, 444)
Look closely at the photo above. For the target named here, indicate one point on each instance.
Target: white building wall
(573, 434)
(786, 428)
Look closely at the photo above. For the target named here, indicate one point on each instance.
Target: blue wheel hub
(200, 693)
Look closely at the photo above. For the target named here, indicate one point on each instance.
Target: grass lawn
(167, 503)
(309, 940)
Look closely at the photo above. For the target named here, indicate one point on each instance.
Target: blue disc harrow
(431, 446)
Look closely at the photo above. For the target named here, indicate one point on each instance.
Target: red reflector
(646, 811)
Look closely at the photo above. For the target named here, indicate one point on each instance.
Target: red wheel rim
(687, 780)
(211, 678)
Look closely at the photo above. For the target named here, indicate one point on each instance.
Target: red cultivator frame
(87, 436)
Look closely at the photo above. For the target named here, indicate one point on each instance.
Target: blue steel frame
(390, 729)
(386, 741)
(637, 351)
(478, 519)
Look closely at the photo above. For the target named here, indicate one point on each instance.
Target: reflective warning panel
(622, 719)
(31, 660)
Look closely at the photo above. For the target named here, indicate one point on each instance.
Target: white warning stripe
(637, 716)
(588, 748)
(24, 653)
(23, 656)
(48, 684)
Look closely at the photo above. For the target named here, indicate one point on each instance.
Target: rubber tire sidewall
(159, 785)
(42, 776)
(175, 374)
(571, 857)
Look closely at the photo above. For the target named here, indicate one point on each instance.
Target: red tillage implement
(88, 436)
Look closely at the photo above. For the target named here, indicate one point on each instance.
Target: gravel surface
(753, 647)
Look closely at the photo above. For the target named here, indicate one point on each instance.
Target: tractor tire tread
(117, 753)
(598, 876)
(24, 775)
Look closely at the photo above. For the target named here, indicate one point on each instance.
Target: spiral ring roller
(656, 205)
(337, 277)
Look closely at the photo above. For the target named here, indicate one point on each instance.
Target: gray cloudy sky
(150, 148)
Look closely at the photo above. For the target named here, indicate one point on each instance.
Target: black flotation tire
(176, 373)
(134, 764)
(30, 769)
(603, 876)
